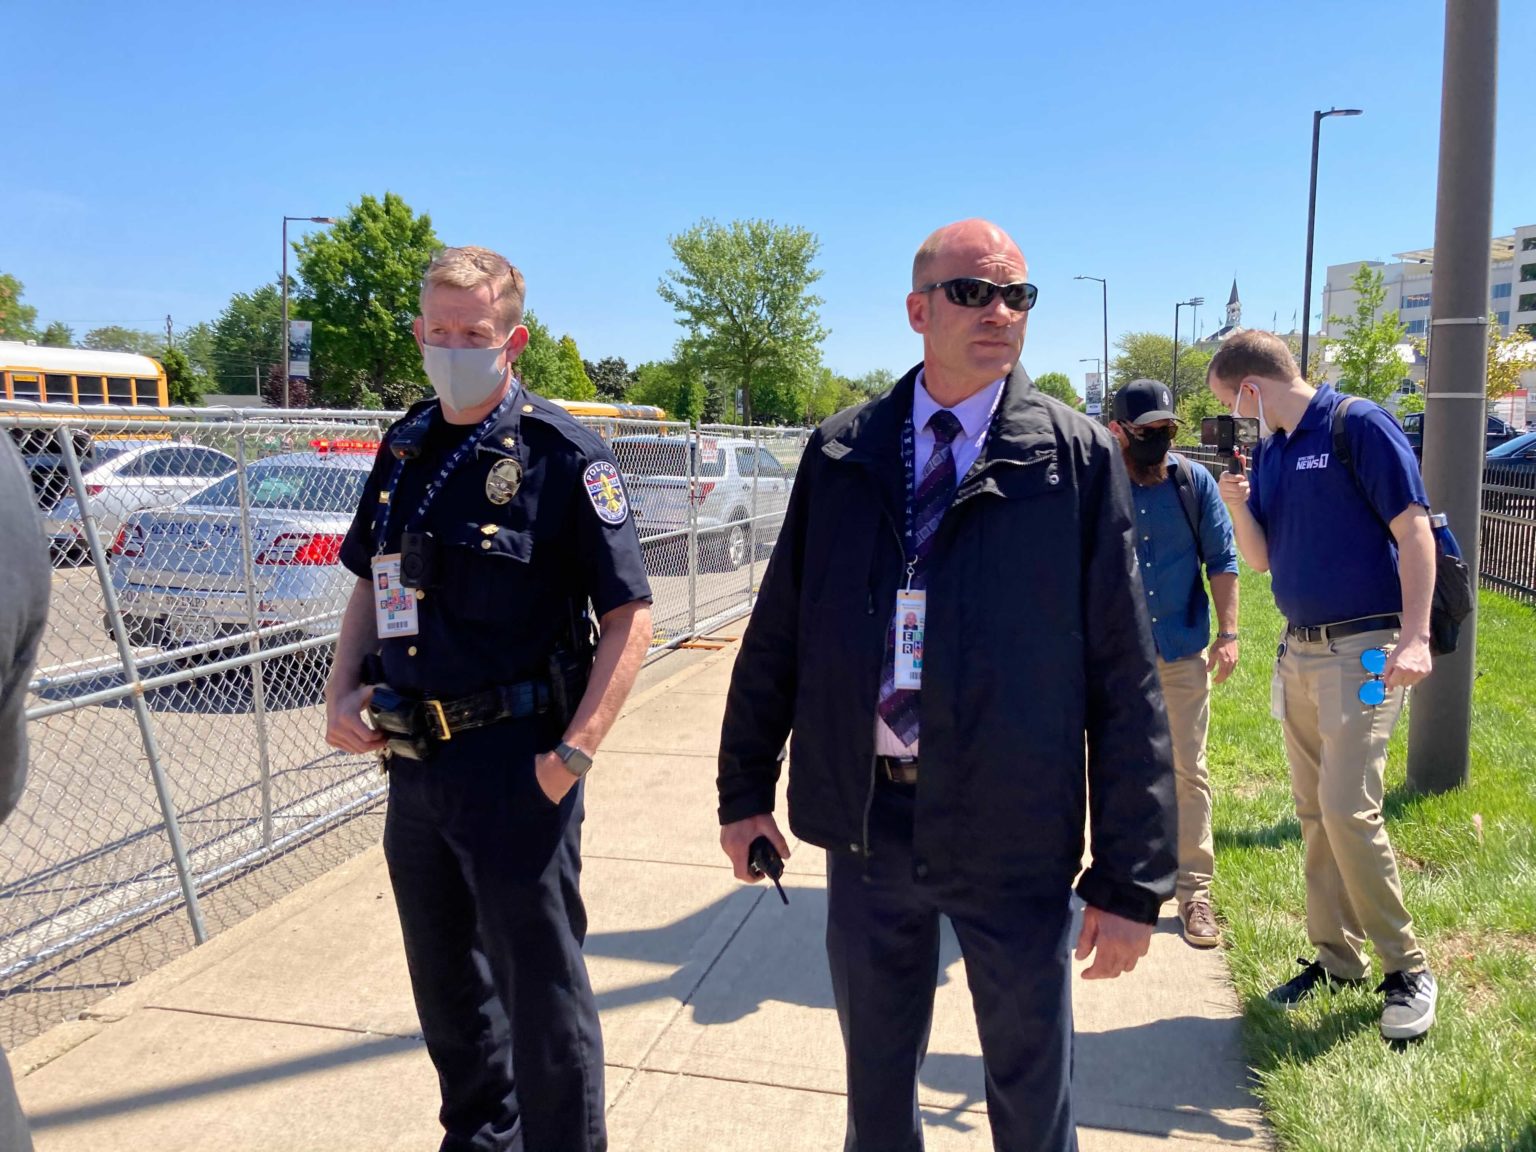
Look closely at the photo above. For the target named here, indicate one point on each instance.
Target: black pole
(1306, 288)
(1455, 394)
(1173, 385)
(1104, 367)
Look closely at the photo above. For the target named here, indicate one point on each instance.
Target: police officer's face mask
(464, 378)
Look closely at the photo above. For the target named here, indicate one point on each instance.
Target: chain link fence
(179, 779)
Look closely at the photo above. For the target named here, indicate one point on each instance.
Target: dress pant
(1337, 749)
(883, 948)
(486, 874)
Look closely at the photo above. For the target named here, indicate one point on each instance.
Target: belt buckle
(435, 710)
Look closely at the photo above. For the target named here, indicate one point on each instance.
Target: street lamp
(1104, 285)
(1098, 366)
(311, 220)
(1306, 291)
(1192, 302)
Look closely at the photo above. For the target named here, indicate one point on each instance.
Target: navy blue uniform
(485, 868)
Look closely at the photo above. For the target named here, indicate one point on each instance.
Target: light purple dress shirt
(975, 416)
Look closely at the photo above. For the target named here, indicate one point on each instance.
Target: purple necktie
(898, 706)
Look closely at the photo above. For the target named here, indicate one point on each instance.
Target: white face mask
(463, 378)
(1237, 402)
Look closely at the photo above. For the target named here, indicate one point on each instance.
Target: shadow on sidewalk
(373, 1048)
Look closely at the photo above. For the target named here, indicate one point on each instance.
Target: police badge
(503, 481)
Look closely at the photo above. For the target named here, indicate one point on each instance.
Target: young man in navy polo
(1353, 561)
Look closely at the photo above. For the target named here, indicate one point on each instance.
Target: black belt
(1321, 632)
(897, 769)
(416, 727)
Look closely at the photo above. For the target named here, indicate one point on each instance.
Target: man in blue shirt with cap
(1180, 525)
(1353, 561)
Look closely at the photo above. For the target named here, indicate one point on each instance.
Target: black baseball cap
(1144, 402)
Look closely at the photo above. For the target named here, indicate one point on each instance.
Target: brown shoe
(1199, 925)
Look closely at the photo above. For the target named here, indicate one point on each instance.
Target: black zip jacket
(1041, 707)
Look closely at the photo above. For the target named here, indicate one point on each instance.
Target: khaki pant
(1337, 747)
(1187, 693)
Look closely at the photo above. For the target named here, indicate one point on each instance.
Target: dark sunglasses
(974, 292)
(1374, 691)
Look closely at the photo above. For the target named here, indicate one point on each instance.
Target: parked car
(740, 492)
(1499, 432)
(122, 477)
(180, 572)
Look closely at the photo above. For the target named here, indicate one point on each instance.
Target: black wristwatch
(1226, 635)
(577, 762)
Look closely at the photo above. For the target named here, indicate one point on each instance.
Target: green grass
(1327, 1079)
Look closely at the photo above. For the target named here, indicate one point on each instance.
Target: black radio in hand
(1229, 435)
(763, 859)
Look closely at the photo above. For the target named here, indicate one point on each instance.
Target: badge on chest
(911, 617)
(394, 605)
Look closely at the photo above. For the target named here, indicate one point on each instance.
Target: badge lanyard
(451, 465)
(909, 471)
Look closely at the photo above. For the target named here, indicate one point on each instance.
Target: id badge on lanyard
(394, 605)
(911, 616)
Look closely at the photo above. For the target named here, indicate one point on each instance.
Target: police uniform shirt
(1332, 556)
(510, 569)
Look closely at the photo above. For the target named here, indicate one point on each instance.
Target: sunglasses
(1374, 690)
(974, 292)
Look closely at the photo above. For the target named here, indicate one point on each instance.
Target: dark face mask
(1150, 447)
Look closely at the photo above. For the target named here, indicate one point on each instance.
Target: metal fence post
(131, 676)
(253, 618)
(695, 447)
(754, 437)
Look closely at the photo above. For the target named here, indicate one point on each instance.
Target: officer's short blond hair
(470, 267)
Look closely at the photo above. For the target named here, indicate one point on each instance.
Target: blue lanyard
(460, 454)
(909, 470)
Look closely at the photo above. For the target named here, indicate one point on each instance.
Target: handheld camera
(1229, 435)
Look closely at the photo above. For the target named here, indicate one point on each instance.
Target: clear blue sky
(151, 151)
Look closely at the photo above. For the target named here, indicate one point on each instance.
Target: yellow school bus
(80, 376)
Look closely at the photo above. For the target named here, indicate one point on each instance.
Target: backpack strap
(1188, 501)
(1342, 455)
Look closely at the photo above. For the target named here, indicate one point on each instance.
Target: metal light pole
(1441, 721)
(1192, 302)
(1103, 372)
(311, 220)
(1306, 291)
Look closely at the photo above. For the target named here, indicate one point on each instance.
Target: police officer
(1352, 554)
(493, 528)
(952, 626)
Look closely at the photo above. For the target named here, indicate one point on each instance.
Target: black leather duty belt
(1347, 628)
(897, 769)
(415, 727)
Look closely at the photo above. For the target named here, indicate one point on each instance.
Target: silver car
(123, 477)
(180, 573)
(740, 491)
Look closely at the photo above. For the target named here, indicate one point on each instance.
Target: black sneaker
(1294, 991)
(1411, 999)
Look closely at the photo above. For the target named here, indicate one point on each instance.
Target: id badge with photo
(911, 612)
(394, 605)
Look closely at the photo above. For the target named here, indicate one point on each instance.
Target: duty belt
(416, 727)
(1316, 633)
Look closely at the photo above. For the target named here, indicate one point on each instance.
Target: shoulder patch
(606, 491)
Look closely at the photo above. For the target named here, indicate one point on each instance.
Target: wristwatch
(577, 762)
(1226, 635)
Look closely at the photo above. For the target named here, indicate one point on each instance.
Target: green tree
(1509, 357)
(360, 283)
(875, 382)
(1149, 356)
(742, 295)
(1367, 355)
(1059, 385)
(246, 341)
(577, 384)
(184, 385)
(115, 338)
(610, 376)
(17, 320)
(540, 366)
(57, 335)
(1410, 403)
(198, 344)
(1197, 404)
(672, 385)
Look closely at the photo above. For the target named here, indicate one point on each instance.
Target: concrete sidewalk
(295, 1029)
